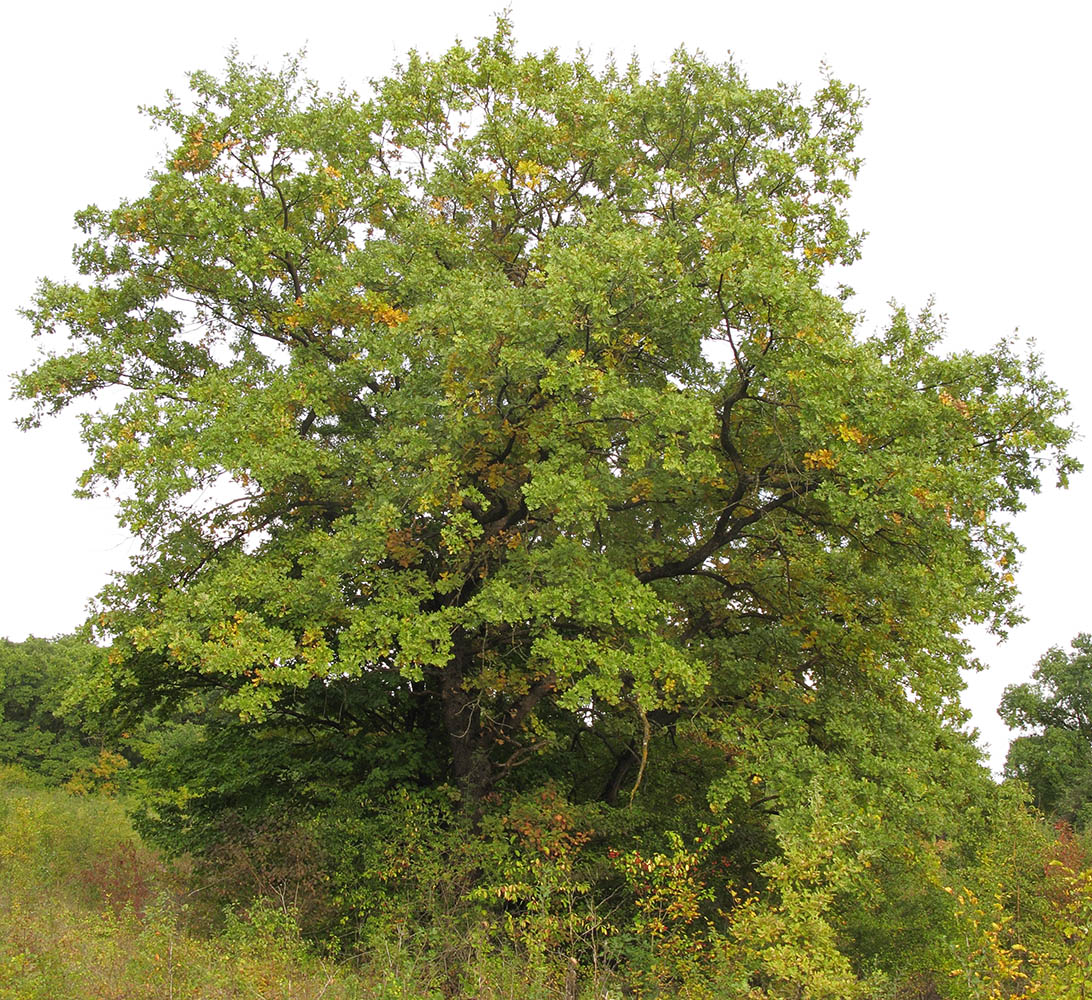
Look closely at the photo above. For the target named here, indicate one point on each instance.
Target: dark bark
(623, 764)
(471, 767)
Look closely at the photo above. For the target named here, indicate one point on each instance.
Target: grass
(87, 912)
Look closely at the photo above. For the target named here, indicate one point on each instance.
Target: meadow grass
(87, 912)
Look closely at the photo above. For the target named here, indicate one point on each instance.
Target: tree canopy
(1055, 758)
(40, 729)
(506, 429)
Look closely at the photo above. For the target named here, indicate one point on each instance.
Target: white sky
(974, 190)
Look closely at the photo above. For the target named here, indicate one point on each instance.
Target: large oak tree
(511, 418)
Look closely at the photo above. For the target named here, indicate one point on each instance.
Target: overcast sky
(974, 191)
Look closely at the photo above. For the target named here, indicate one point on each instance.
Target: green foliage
(1070, 871)
(523, 518)
(1055, 758)
(785, 937)
(41, 727)
(86, 910)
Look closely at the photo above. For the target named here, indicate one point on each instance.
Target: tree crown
(508, 403)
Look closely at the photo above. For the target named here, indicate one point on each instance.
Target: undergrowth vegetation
(88, 911)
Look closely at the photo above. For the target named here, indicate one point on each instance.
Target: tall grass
(89, 913)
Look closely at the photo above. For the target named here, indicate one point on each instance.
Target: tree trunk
(471, 767)
(623, 764)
